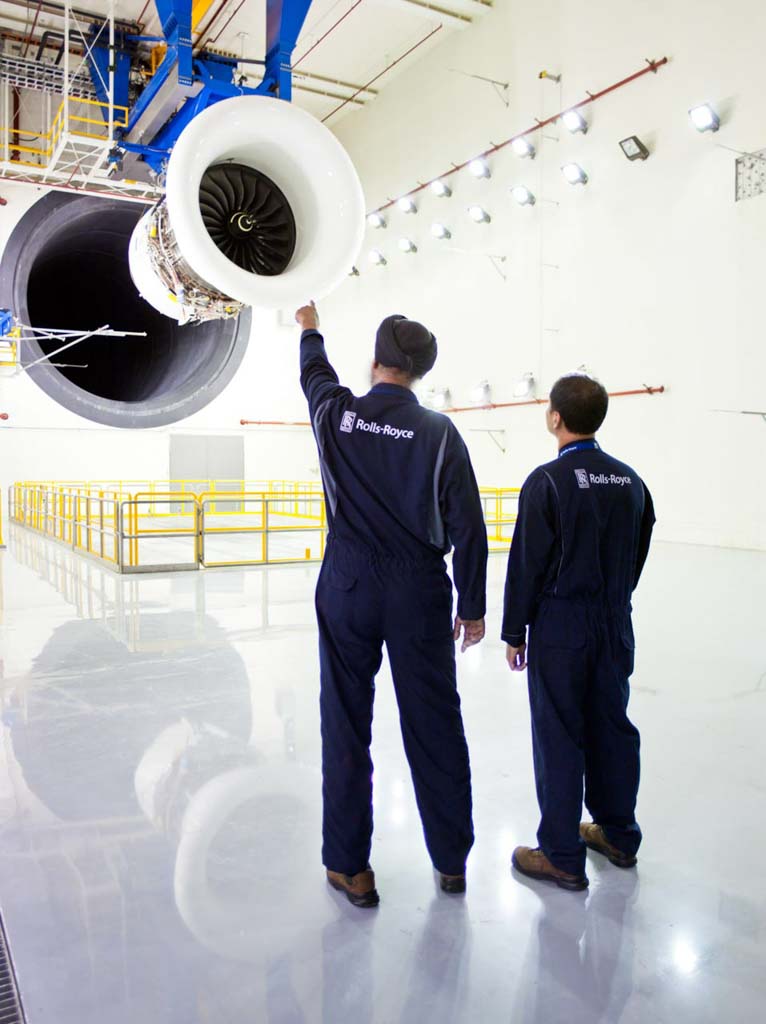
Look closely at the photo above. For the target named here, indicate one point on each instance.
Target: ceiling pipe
(321, 39)
(652, 66)
(372, 81)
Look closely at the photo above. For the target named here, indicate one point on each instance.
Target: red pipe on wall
(652, 65)
(646, 390)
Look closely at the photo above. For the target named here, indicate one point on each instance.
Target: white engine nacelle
(262, 207)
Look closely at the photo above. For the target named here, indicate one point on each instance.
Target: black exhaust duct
(66, 266)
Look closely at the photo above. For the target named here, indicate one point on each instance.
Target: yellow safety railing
(195, 523)
(97, 128)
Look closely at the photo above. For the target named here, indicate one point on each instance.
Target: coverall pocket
(561, 624)
(339, 580)
(436, 614)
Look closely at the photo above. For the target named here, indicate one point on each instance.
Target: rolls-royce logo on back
(347, 423)
(582, 479)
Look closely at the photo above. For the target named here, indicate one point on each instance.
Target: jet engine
(262, 207)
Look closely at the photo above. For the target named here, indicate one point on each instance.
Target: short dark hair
(581, 402)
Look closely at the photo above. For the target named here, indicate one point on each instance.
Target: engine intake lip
(67, 260)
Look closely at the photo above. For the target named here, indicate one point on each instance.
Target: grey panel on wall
(207, 458)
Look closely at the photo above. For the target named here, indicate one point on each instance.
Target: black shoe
(452, 884)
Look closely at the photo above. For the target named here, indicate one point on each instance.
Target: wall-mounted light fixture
(574, 174)
(523, 147)
(440, 231)
(481, 394)
(704, 118)
(407, 205)
(574, 122)
(441, 188)
(479, 168)
(633, 148)
(522, 195)
(407, 245)
(479, 215)
(376, 220)
(524, 386)
(376, 257)
(438, 398)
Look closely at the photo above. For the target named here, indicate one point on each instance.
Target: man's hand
(307, 317)
(473, 632)
(516, 657)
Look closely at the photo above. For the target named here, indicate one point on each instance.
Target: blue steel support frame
(284, 21)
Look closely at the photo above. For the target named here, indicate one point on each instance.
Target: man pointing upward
(400, 492)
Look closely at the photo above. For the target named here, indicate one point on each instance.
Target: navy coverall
(400, 491)
(580, 543)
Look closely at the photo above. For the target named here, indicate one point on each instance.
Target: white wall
(650, 274)
(659, 272)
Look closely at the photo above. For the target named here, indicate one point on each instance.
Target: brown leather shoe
(452, 884)
(534, 864)
(595, 839)
(359, 889)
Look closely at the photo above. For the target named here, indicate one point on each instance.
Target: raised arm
(318, 379)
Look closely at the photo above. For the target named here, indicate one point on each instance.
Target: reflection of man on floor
(580, 543)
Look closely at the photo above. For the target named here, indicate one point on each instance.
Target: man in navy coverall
(582, 536)
(400, 492)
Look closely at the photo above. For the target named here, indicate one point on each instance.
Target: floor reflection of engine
(92, 708)
(111, 738)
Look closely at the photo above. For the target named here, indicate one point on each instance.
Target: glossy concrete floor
(159, 815)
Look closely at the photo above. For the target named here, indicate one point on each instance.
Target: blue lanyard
(580, 446)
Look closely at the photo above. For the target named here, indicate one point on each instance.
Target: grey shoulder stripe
(561, 526)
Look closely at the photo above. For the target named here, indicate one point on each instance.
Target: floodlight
(407, 245)
(479, 214)
(574, 121)
(704, 118)
(523, 147)
(479, 168)
(438, 398)
(522, 195)
(524, 386)
(376, 257)
(481, 394)
(633, 148)
(376, 220)
(440, 231)
(407, 205)
(440, 188)
(574, 174)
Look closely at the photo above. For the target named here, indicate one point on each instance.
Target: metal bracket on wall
(496, 436)
(750, 175)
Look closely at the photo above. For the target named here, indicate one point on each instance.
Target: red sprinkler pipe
(652, 65)
(274, 423)
(646, 390)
